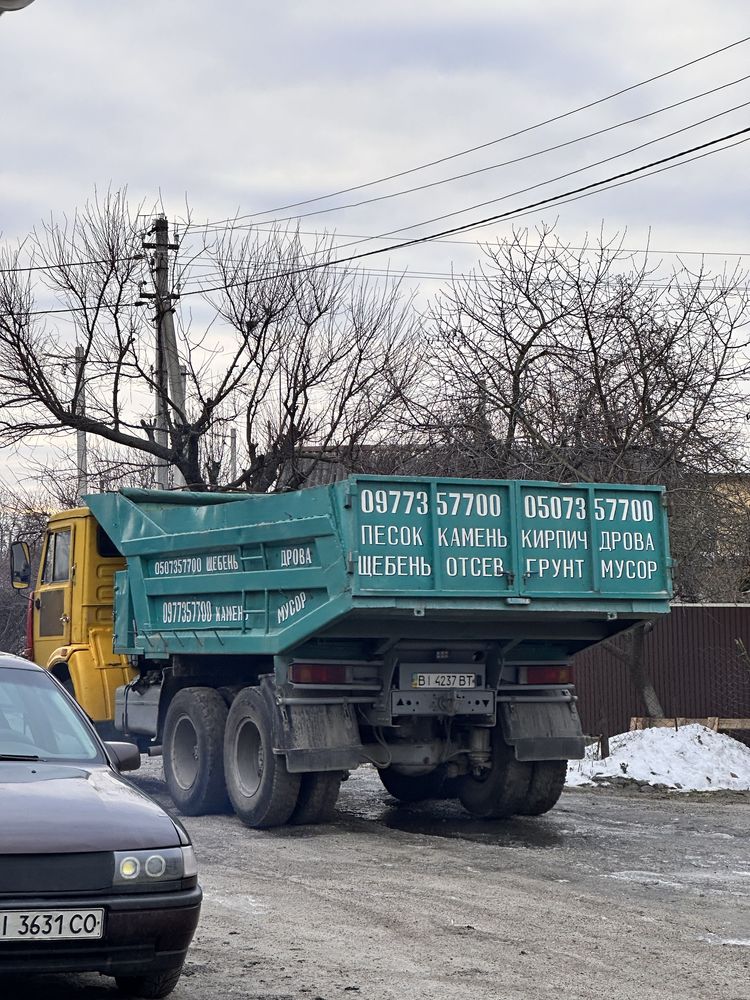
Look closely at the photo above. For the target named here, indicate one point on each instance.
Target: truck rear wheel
(414, 787)
(261, 789)
(193, 751)
(318, 792)
(545, 788)
(502, 789)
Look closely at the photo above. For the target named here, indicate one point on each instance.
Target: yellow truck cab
(71, 612)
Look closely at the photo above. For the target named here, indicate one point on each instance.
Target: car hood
(62, 809)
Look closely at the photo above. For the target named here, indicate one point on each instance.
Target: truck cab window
(57, 558)
(105, 546)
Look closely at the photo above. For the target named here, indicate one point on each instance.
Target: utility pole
(170, 382)
(81, 457)
(233, 454)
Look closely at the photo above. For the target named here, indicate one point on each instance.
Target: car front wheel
(150, 987)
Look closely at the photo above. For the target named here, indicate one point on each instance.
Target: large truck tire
(193, 751)
(260, 788)
(502, 789)
(318, 792)
(545, 788)
(414, 787)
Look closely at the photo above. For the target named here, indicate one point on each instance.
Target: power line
(475, 243)
(504, 163)
(563, 176)
(420, 275)
(72, 263)
(565, 197)
(616, 180)
(492, 142)
(544, 183)
(570, 173)
(75, 309)
(624, 253)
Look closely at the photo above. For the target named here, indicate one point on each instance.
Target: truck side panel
(262, 574)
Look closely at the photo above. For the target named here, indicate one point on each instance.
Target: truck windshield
(38, 722)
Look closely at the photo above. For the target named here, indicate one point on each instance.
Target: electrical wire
(486, 145)
(616, 180)
(75, 309)
(466, 276)
(72, 263)
(505, 163)
(559, 177)
(539, 184)
(475, 243)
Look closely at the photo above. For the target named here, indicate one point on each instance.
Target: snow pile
(691, 758)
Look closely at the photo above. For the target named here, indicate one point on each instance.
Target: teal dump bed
(238, 573)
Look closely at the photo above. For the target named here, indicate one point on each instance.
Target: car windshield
(38, 722)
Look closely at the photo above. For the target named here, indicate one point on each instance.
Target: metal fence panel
(698, 657)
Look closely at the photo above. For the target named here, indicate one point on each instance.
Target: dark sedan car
(94, 875)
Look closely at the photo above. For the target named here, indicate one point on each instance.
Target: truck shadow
(447, 819)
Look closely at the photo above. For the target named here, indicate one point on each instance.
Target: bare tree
(563, 364)
(22, 518)
(301, 356)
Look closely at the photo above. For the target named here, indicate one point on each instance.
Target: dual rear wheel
(218, 757)
(508, 787)
(511, 787)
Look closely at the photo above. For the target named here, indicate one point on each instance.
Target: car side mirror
(20, 565)
(125, 756)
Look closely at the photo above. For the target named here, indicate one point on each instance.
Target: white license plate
(443, 680)
(47, 925)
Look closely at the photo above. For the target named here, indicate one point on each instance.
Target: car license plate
(46, 925)
(443, 680)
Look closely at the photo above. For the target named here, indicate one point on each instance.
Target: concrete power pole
(233, 454)
(170, 383)
(81, 456)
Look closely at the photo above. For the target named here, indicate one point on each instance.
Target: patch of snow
(692, 758)
(732, 942)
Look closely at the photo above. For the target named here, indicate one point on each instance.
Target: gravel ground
(613, 895)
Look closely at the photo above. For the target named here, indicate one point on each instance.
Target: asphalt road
(612, 895)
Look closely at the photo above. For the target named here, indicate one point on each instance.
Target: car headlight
(152, 868)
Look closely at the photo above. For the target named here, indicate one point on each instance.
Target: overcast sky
(243, 106)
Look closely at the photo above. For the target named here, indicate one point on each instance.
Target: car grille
(53, 873)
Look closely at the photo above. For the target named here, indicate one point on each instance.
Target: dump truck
(268, 644)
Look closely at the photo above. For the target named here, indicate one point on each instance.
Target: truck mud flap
(544, 731)
(319, 737)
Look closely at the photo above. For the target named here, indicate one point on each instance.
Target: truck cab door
(53, 595)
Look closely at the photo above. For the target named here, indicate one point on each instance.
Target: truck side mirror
(20, 565)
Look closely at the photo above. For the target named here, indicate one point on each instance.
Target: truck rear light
(318, 673)
(546, 675)
(29, 650)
